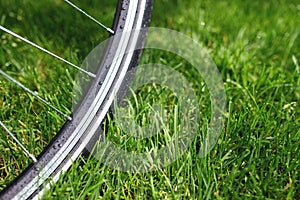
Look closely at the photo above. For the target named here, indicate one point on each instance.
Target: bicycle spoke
(90, 17)
(64, 146)
(46, 51)
(18, 142)
(34, 94)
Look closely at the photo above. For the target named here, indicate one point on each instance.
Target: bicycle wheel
(79, 132)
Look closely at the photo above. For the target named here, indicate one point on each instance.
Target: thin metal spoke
(45, 50)
(34, 94)
(18, 142)
(89, 16)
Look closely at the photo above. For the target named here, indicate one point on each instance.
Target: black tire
(80, 132)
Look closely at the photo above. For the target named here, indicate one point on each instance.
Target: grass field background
(256, 47)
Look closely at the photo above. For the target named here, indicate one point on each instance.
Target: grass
(256, 46)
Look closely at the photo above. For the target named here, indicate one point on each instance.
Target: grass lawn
(256, 47)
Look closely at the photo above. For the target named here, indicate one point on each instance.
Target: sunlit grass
(256, 46)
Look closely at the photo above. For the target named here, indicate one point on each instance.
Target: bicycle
(82, 127)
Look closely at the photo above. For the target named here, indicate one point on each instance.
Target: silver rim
(90, 121)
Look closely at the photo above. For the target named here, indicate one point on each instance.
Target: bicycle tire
(78, 133)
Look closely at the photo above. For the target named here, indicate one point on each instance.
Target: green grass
(256, 46)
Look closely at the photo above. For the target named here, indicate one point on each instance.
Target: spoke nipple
(33, 158)
(109, 30)
(91, 75)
